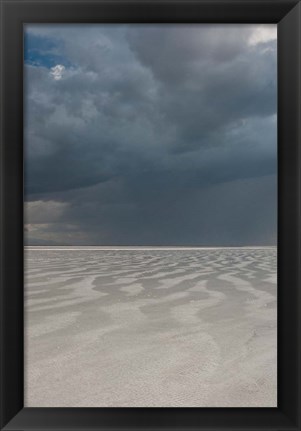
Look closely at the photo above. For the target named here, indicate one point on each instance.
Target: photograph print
(150, 158)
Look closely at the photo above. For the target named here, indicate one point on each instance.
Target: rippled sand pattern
(150, 328)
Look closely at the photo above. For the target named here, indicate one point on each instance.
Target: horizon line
(139, 247)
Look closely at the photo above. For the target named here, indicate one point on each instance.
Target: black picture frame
(287, 14)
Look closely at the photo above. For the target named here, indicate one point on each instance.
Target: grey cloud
(234, 213)
(148, 126)
(206, 81)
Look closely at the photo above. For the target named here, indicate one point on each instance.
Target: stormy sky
(150, 134)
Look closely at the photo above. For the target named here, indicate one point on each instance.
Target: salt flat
(150, 327)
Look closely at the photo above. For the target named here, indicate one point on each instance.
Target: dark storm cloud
(152, 135)
(215, 81)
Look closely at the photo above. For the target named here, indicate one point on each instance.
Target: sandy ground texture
(158, 327)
